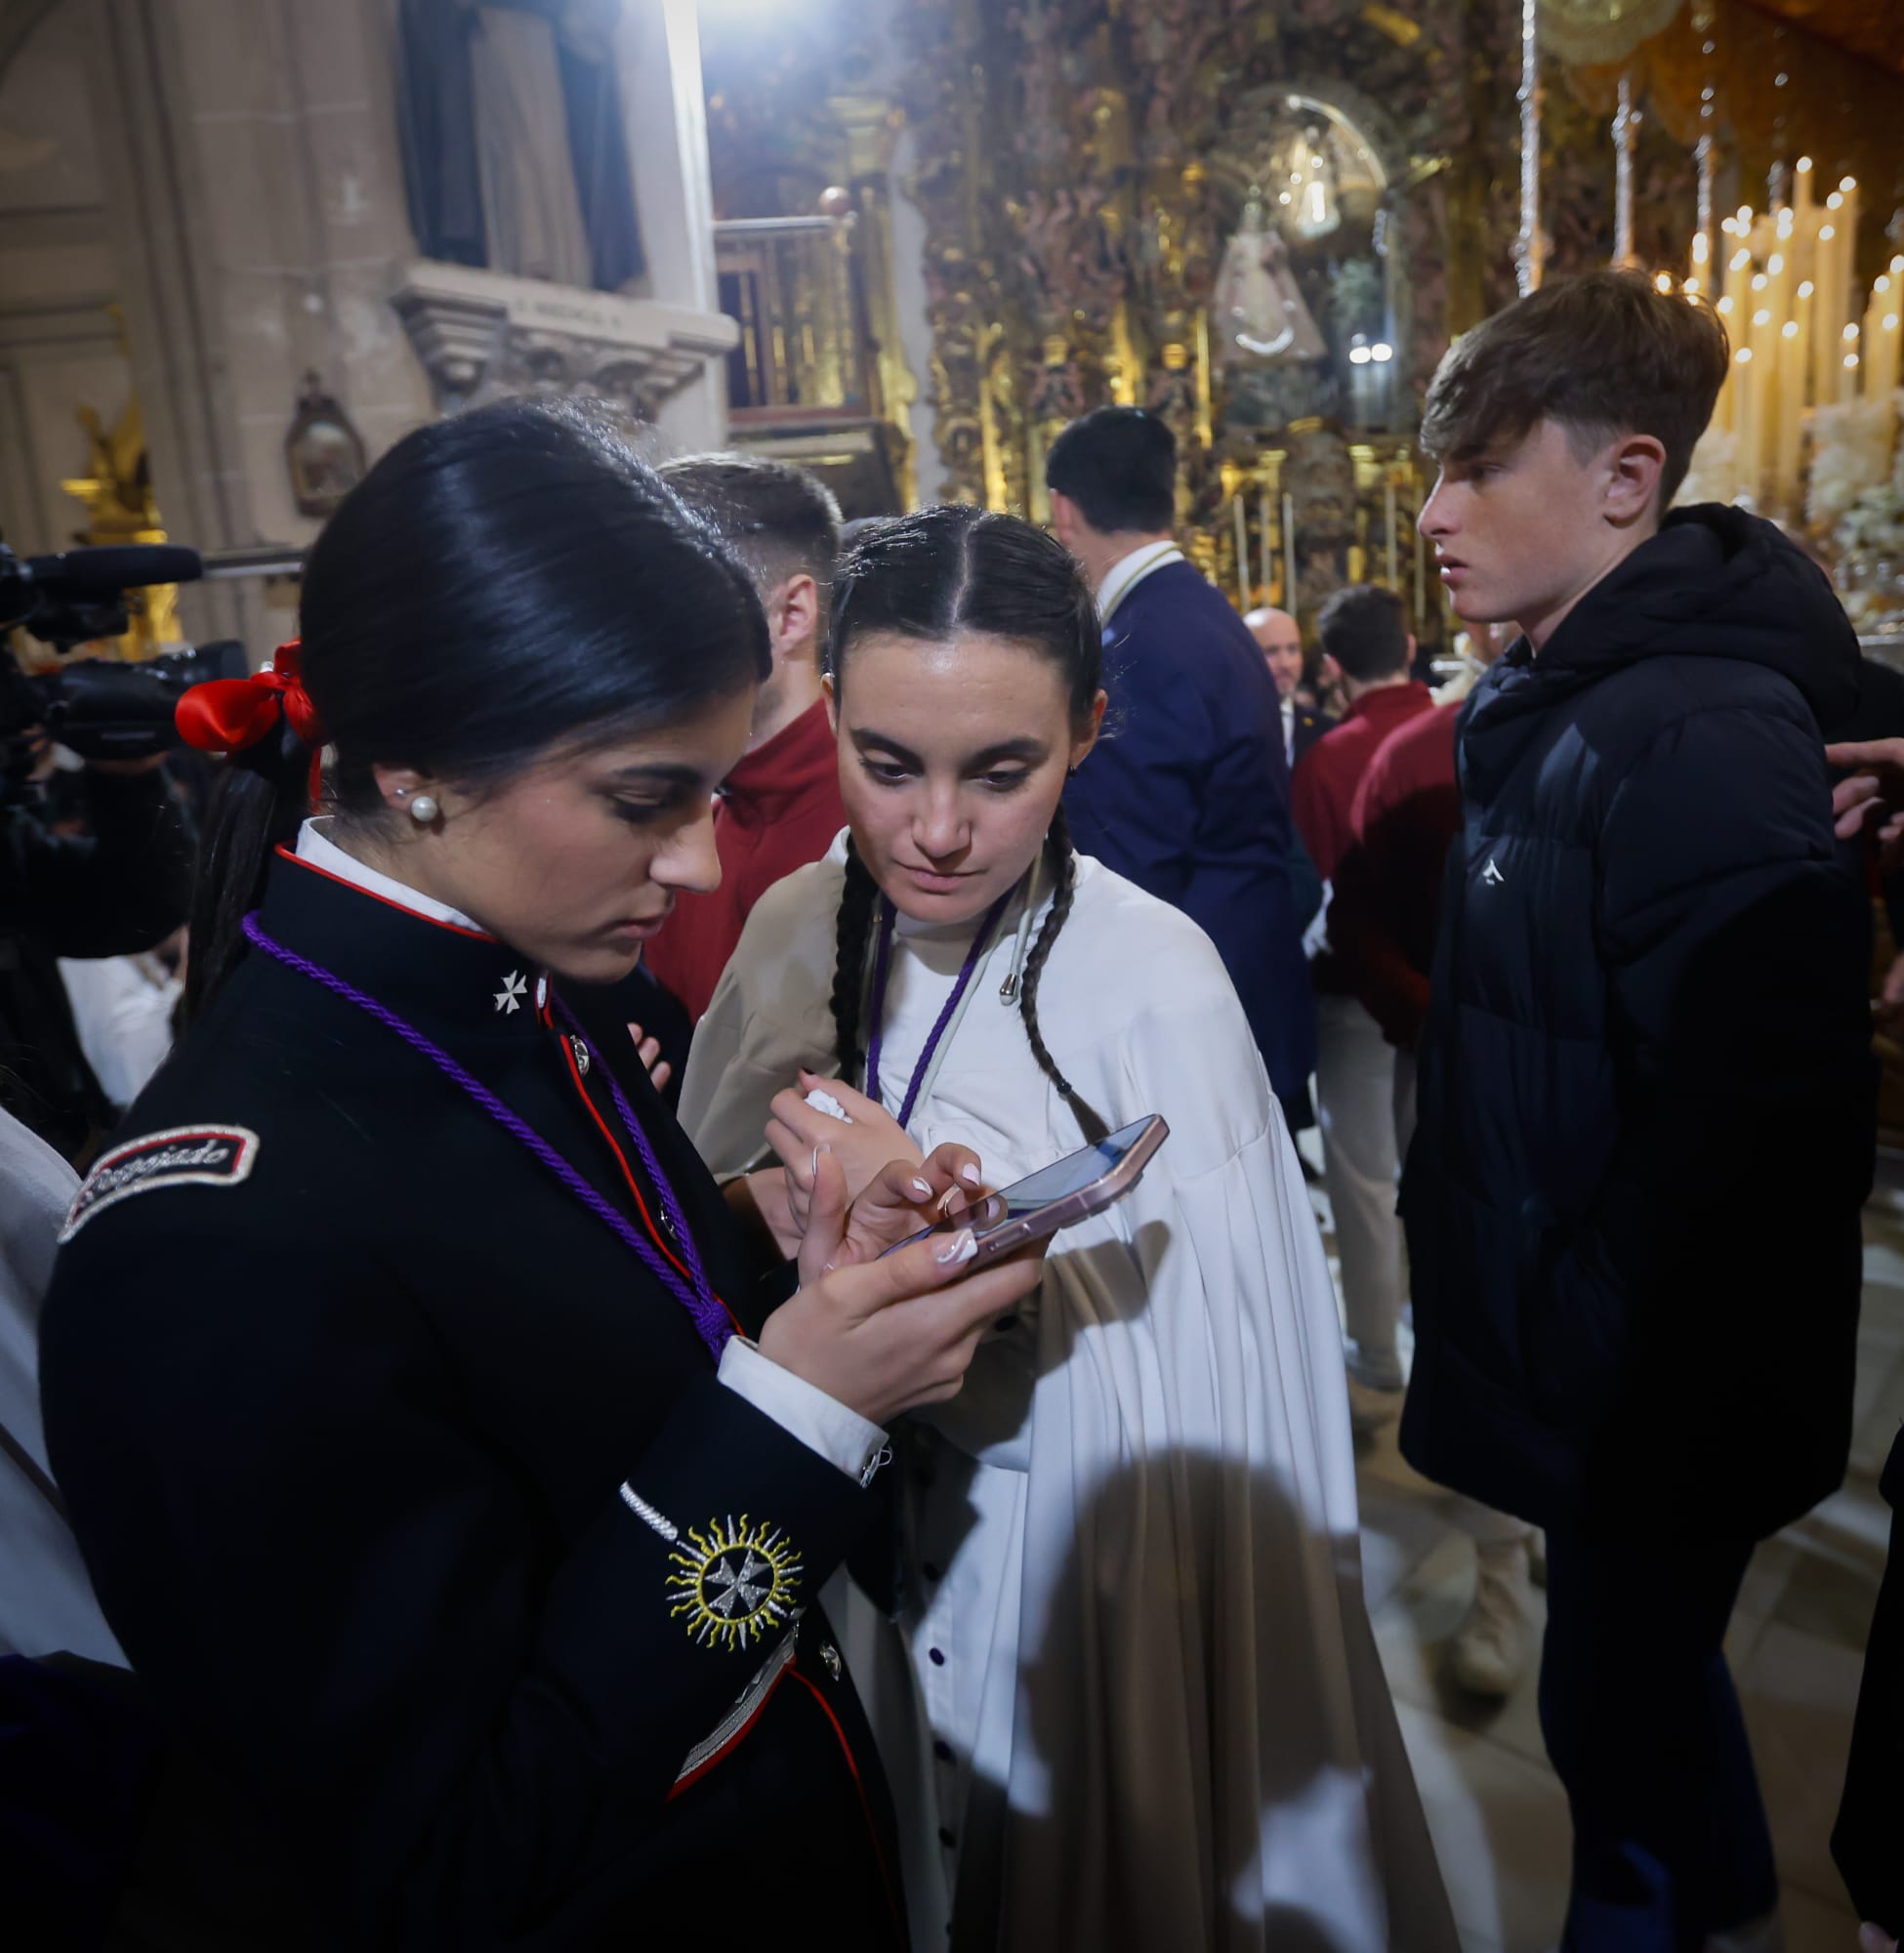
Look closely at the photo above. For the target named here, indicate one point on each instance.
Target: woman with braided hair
(1124, 1683)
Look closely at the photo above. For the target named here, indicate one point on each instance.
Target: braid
(1058, 838)
(854, 932)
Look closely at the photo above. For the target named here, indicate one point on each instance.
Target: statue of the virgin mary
(1261, 312)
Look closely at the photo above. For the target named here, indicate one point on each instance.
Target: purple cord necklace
(694, 1295)
(881, 967)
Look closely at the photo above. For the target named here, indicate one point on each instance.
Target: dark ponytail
(1065, 865)
(851, 936)
(500, 584)
(931, 576)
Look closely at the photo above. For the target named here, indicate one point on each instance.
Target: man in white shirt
(1279, 638)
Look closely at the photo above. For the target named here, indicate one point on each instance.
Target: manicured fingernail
(971, 1176)
(922, 1188)
(946, 1199)
(959, 1248)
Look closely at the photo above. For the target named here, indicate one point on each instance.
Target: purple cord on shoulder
(710, 1318)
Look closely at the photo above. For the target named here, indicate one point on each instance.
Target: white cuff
(823, 1423)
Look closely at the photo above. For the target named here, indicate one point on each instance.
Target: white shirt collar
(1129, 571)
(324, 853)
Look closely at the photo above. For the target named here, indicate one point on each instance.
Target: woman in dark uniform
(397, 1364)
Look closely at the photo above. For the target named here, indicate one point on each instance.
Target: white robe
(1160, 1717)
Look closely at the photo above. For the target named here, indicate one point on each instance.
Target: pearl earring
(424, 810)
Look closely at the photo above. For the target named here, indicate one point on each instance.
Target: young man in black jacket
(1645, 1119)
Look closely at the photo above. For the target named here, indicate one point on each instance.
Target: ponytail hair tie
(229, 715)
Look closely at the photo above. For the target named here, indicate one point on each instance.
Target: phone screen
(1068, 1175)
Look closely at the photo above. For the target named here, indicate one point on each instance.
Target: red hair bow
(226, 715)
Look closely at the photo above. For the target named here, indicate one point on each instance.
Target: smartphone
(1059, 1195)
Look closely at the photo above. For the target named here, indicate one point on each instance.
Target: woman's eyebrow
(1025, 748)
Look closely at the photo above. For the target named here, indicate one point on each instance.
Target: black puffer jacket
(1646, 1089)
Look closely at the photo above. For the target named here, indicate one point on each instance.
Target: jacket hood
(1715, 582)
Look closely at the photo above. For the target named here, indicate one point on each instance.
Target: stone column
(663, 109)
(257, 215)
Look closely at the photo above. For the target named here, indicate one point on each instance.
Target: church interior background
(246, 245)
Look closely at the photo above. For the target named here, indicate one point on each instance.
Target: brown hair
(1365, 630)
(779, 519)
(1602, 355)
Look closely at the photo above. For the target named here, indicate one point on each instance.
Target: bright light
(1283, 197)
(1786, 220)
(1759, 281)
(1826, 234)
(1896, 265)
(1890, 321)
(1726, 307)
(1358, 356)
(1664, 282)
(1881, 284)
(1702, 247)
(1850, 334)
(1805, 289)
(1760, 318)
(1791, 328)
(1743, 357)
(1741, 260)
(1775, 266)
(1381, 353)
(1805, 163)
(1691, 288)
(1848, 185)
(1833, 201)
(1745, 217)
(1850, 359)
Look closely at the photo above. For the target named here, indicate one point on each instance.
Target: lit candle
(1389, 531)
(1881, 339)
(1830, 313)
(1790, 407)
(1802, 187)
(1847, 379)
(1725, 411)
(1742, 411)
(1289, 554)
(1242, 552)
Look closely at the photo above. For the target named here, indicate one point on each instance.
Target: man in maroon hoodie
(1365, 631)
(780, 808)
(1382, 927)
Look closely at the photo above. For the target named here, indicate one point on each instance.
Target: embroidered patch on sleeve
(737, 1583)
(180, 1156)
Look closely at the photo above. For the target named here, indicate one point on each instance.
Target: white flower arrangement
(1850, 457)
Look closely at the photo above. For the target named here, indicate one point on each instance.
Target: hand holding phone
(1056, 1196)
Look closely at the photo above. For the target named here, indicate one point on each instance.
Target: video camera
(100, 708)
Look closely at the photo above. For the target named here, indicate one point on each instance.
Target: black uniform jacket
(1645, 1124)
(413, 1496)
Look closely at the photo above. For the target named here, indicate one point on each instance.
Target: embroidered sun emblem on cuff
(735, 1583)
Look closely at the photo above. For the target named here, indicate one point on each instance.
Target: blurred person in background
(1279, 638)
(117, 889)
(1365, 631)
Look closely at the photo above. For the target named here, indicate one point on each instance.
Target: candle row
(1784, 282)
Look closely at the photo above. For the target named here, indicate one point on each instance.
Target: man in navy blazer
(1188, 794)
